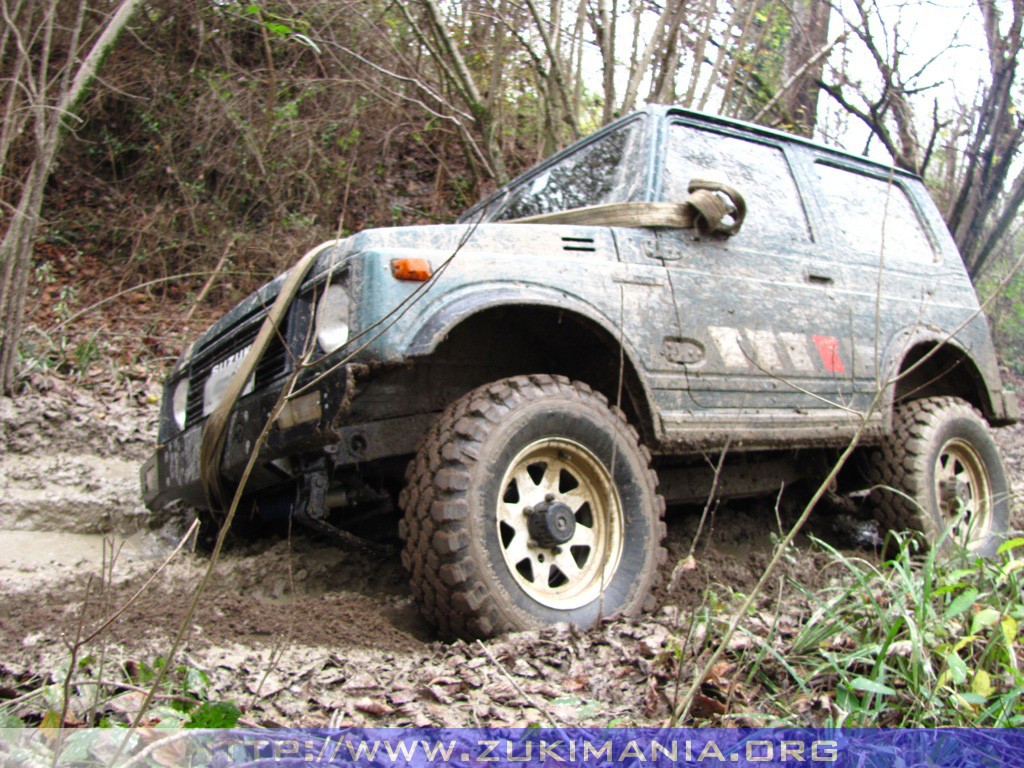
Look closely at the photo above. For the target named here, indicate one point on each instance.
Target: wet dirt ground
(295, 630)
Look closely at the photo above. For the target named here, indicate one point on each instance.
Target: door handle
(817, 275)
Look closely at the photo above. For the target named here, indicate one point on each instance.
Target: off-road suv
(532, 383)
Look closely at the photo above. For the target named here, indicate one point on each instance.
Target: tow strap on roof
(705, 209)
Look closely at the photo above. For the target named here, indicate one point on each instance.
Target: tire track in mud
(69, 501)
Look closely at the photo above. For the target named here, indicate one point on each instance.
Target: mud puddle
(20, 549)
(31, 558)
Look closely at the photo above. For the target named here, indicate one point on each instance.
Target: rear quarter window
(873, 216)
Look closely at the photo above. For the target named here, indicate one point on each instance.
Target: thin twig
(210, 281)
(152, 748)
(684, 708)
(186, 622)
(144, 587)
(515, 685)
(126, 291)
(711, 496)
(276, 654)
(792, 81)
(12, 703)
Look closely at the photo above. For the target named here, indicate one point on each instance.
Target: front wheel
(940, 474)
(531, 502)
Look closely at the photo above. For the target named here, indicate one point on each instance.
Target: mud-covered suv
(532, 383)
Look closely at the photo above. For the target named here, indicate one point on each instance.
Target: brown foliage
(209, 127)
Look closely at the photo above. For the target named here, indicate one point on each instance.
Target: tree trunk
(49, 116)
(808, 35)
(603, 23)
(998, 135)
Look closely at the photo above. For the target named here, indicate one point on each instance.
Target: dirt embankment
(302, 633)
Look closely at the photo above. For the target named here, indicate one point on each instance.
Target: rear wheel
(940, 474)
(531, 502)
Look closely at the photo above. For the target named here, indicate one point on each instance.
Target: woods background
(148, 146)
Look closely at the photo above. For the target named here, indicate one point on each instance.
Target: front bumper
(307, 424)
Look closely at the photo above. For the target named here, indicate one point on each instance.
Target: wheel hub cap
(559, 523)
(955, 492)
(551, 522)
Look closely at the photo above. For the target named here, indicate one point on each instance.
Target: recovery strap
(704, 210)
(211, 448)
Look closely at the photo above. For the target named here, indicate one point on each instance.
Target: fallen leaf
(400, 698)
(705, 706)
(361, 683)
(720, 670)
(373, 707)
(127, 703)
(503, 693)
(654, 701)
(577, 683)
(523, 668)
(436, 693)
(172, 754)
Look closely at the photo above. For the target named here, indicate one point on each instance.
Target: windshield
(605, 170)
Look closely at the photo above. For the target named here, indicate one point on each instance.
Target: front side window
(873, 216)
(595, 174)
(758, 171)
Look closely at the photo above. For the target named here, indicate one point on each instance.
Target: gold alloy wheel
(964, 493)
(560, 523)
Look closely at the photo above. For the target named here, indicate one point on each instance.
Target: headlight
(180, 402)
(332, 319)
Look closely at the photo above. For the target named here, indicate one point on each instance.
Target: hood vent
(578, 244)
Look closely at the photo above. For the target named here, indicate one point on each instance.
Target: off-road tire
(456, 542)
(933, 440)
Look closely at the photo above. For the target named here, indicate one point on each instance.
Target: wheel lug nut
(549, 497)
(527, 511)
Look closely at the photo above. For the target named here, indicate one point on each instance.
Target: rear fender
(975, 377)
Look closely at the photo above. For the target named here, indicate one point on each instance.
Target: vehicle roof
(754, 128)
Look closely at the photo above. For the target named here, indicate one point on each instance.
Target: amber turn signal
(411, 269)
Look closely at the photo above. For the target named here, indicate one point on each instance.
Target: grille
(294, 334)
(273, 363)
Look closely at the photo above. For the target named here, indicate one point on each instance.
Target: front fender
(457, 307)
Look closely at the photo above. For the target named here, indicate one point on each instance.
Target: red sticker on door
(828, 348)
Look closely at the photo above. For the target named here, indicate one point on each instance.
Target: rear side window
(760, 172)
(592, 175)
(874, 216)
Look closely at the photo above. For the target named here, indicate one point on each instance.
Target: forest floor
(299, 632)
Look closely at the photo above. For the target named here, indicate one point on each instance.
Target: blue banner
(512, 748)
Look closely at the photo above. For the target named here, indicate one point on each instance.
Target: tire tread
(445, 581)
(897, 467)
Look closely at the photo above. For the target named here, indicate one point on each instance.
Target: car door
(903, 268)
(759, 348)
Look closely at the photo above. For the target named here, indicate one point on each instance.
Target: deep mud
(299, 632)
